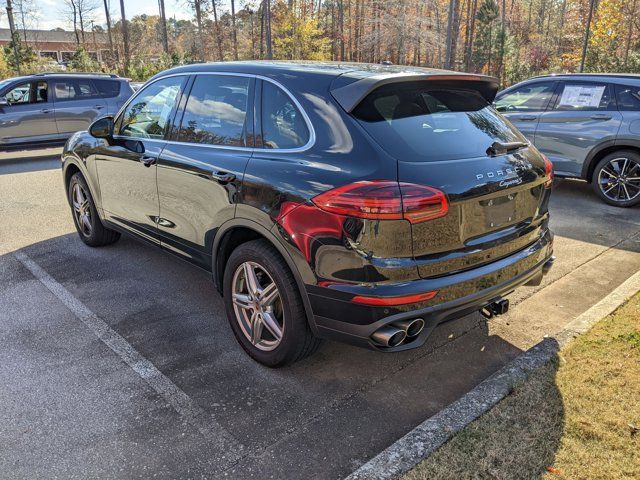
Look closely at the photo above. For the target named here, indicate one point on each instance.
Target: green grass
(573, 419)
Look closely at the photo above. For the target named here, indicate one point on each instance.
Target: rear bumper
(337, 318)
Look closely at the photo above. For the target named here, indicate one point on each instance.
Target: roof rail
(111, 75)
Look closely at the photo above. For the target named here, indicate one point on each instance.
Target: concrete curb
(427, 437)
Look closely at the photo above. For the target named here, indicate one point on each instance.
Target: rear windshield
(423, 122)
(107, 88)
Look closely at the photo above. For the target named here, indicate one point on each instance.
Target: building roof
(53, 36)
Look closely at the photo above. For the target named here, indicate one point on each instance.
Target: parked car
(587, 124)
(361, 203)
(48, 108)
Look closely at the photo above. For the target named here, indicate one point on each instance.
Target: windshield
(420, 122)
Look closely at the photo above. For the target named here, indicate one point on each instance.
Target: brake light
(384, 200)
(548, 171)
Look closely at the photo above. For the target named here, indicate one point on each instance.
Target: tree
(163, 26)
(125, 38)
(82, 62)
(487, 35)
(234, 32)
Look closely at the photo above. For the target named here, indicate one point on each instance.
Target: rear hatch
(444, 134)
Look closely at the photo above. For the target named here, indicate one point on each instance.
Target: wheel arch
(601, 151)
(238, 231)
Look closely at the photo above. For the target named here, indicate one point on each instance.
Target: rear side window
(527, 98)
(424, 122)
(74, 89)
(628, 98)
(216, 111)
(107, 88)
(283, 125)
(585, 96)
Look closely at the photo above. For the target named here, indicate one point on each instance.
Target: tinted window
(107, 88)
(528, 98)
(74, 89)
(584, 96)
(283, 125)
(216, 111)
(148, 114)
(628, 98)
(419, 122)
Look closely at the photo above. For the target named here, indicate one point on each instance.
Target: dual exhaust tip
(395, 333)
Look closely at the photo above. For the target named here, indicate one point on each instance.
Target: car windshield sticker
(581, 96)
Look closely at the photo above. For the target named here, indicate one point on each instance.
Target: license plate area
(499, 211)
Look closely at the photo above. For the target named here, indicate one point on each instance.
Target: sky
(50, 13)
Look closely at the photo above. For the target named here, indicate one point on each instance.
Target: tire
(614, 179)
(285, 312)
(86, 219)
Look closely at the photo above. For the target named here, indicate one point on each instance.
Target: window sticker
(579, 96)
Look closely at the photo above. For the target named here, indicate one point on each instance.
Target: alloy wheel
(257, 306)
(619, 180)
(81, 209)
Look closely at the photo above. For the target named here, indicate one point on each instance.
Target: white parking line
(173, 395)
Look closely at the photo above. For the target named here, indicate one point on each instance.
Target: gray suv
(587, 124)
(47, 108)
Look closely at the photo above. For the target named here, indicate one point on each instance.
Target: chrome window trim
(306, 146)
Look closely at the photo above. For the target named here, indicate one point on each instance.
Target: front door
(583, 115)
(28, 115)
(127, 164)
(201, 169)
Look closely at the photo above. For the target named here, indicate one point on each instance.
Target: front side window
(148, 114)
(74, 89)
(20, 94)
(584, 96)
(282, 123)
(216, 111)
(528, 98)
(628, 98)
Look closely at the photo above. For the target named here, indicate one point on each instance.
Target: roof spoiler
(351, 95)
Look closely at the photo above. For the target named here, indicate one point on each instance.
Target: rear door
(28, 117)
(201, 168)
(77, 104)
(582, 116)
(524, 105)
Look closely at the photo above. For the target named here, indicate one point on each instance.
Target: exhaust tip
(412, 327)
(389, 336)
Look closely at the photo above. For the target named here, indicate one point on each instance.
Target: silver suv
(587, 124)
(47, 108)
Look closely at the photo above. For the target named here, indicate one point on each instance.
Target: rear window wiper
(498, 148)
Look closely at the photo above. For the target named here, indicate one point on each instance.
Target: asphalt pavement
(119, 362)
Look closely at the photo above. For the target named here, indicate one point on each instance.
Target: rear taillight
(548, 172)
(384, 200)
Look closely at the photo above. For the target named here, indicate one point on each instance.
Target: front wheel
(616, 179)
(264, 306)
(85, 215)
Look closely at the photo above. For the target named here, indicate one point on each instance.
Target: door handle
(601, 116)
(147, 160)
(98, 107)
(46, 110)
(223, 177)
(527, 118)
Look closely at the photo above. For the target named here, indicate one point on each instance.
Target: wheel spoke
(624, 166)
(242, 301)
(626, 191)
(268, 295)
(608, 172)
(86, 223)
(256, 328)
(270, 322)
(251, 279)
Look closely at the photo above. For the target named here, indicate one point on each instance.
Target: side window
(74, 89)
(216, 111)
(528, 98)
(283, 125)
(585, 96)
(42, 92)
(628, 98)
(147, 115)
(19, 94)
(107, 88)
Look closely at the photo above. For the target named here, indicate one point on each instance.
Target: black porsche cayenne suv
(362, 203)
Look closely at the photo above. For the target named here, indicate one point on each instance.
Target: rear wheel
(85, 215)
(616, 179)
(264, 306)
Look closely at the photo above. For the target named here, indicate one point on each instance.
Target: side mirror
(3, 101)
(102, 128)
